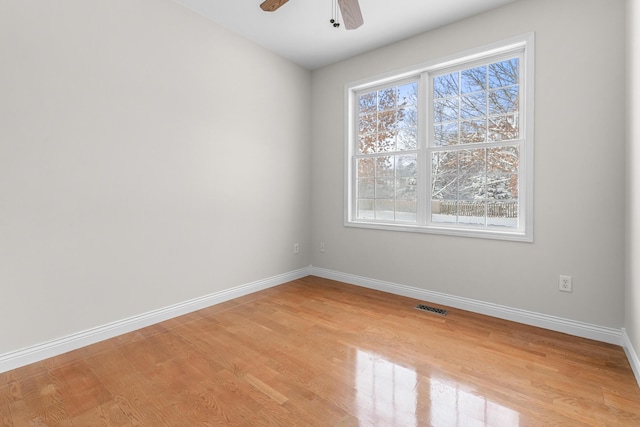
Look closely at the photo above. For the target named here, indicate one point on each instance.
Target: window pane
(482, 115)
(471, 212)
(407, 139)
(502, 176)
(503, 73)
(472, 187)
(407, 117)
(471, 161)
(444, 211)
(385, 188)
(408, 94)
(366, 188)
(368, 102)
(445, 86)
(500, 186)
(463, 182)
(406, 166)
(444, 190)
(473, 79)
(473, 131)
(474, 105)
(445, 187)
(503, 128)
(476, 187)
(445, 134)
(385, 167)
(367, 143)
(365, 209)
(503, 159)
(444, 179)
(366, 168)
(504, 214)
(368, 123)
(386, 142)
(385, 210)
(406, 210)
(387, 99)
(406, 189)
(444, 162)
(445, 110)
(392, 194)
(502, 101)
(387, 121)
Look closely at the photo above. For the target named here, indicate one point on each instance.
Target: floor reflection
(385, 392)
(453, 406)
(388, 394)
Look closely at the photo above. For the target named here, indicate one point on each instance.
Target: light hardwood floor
(314, 352)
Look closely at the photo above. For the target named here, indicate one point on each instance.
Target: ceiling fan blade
(272, 5)
(351, 14)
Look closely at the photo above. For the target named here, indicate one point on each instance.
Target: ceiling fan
(350, 10)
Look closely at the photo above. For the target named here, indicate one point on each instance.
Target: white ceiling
(300, 30)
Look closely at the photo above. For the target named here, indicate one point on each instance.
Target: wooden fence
(494, 209)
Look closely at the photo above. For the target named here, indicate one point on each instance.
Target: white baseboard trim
(567, 326)
(36, 353)
(632, 355)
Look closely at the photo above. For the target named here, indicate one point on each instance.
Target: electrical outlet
(322, 247)
(296, 248)
(565, 284)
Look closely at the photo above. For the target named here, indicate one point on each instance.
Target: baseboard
(632, 355)
(572, 327)
(18, 358)
(36, 353)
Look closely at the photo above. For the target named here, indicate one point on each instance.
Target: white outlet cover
(565, 284)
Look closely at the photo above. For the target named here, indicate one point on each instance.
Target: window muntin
(446, 149)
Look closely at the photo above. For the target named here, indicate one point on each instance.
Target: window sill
(495, 234)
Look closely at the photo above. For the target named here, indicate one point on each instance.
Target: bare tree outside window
(476, 106)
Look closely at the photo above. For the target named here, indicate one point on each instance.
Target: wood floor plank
(5, 410)
(315, 352)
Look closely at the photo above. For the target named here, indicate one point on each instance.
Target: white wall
(147, 157)
(579, 170)
(632, 299)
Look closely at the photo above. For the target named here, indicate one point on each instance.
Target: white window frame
(522, 45)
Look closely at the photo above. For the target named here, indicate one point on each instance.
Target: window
(446, 148)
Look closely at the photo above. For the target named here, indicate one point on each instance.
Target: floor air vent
(430, 309)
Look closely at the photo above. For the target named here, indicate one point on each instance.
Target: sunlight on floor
(385, 392)
(453, 406)
(393, 395)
